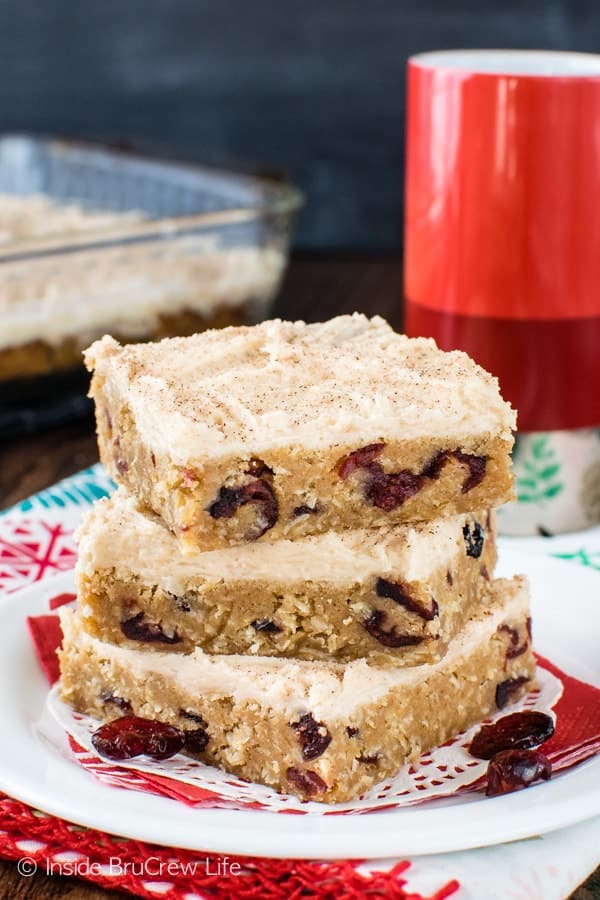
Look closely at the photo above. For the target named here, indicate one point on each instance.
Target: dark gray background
(311, 87)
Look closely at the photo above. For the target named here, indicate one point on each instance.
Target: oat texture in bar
(321, 730)
(400, 593)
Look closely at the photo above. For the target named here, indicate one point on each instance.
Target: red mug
(502, 246)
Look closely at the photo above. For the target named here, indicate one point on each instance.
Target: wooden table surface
(314, 289)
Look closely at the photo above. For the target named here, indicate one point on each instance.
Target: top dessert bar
(284, 429)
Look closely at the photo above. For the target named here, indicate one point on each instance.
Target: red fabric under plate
(46, 635)
(214, 877)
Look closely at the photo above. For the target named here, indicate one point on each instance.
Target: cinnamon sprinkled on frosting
(277, 384)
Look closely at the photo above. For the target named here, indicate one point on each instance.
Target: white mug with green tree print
(557, 480)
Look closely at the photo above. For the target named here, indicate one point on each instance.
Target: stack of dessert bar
(296, 570)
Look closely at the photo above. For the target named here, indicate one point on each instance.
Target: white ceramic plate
(566, 615)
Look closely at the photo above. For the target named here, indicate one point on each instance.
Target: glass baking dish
(130, 244)
(110, 242)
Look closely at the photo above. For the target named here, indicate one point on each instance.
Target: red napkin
(47, 636)
(577, 735)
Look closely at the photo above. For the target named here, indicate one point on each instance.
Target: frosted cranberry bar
(324, 731)
(399, 593)
(284, 430)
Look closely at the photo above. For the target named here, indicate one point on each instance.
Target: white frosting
(127, 289)
(329, 690)
(348, 380)
(124, 288)
(33, 216)
(152, 553)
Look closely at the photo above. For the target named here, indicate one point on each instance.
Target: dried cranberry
(514, 649)
(258, 467)
(368, 759)
(474, 536)
(517, 731)
(258, 491)
(506, 689)
(400, 594)
(304, 510)
(313, 736)
(512, 632)
(388, 492)
(138, 629)
(189, 480)
(122, 466)
(196, 740)
(193, 717)
(388, 637)
(385, 491)
(513, 770)
(435, 465)
(306, 781)
(476, 465)
(358, 459)
(119, 702)
(483, 571)
(352, 732)
(266, 625)
(132, 736)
